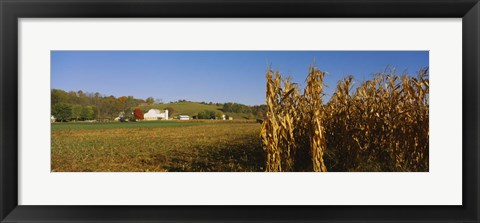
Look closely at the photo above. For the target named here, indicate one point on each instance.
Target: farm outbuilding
(184, 117)
(155, 114)
(227, 117)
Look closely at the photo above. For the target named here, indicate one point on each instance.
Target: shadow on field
(229, 157)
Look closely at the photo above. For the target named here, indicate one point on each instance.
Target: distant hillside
(81, 106)
(193, 108)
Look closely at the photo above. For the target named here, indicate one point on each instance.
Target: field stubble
(211, 148)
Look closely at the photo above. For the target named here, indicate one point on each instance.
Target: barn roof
(157, 111)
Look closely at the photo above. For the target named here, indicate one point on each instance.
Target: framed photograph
(174, 111)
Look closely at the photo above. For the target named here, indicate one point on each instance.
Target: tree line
(67, 106)
(81, 106)
(258, 110)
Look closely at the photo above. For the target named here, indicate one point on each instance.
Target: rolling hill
(192, 109)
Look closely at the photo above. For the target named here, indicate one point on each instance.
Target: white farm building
(155, 114)
(184, 117)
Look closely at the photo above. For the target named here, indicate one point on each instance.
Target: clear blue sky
(217, 76)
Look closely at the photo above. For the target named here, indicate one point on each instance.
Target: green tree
(235, 107)
(62, 111)
(202, 115)
(76, 112)
(95, 112)
(58, 96)
(131, 102)
(207, 114)
(129, 113)
(218, 115)
(87, 113)
(150, 100)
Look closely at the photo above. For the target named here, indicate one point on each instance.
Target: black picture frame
(12, 10)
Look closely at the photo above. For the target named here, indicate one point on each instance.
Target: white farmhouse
(52, 119)
(155, 114)
(184, 117)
